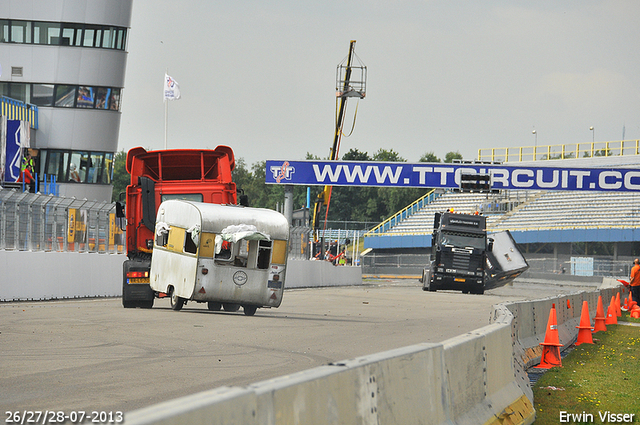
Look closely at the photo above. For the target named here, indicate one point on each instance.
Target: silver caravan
(226, 255)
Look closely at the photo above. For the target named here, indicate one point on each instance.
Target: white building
(68, 58)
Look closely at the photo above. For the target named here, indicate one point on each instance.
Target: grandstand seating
(532, 211)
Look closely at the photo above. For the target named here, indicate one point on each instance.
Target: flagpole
(166, 111)
(166, 115)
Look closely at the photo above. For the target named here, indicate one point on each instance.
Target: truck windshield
(462, 240)
(196, 197)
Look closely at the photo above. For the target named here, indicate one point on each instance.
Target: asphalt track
(94, 355)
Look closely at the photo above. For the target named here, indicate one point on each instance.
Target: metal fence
(581, 266)
(403, 264)
(394, 264)
(36, 222)
(302, 246)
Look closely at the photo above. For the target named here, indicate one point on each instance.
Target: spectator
(26, 176)
(634, 281)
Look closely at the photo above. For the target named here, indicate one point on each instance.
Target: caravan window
(264, 254)
(162, 238)
(233, 254)
(189, 246)
(225, 252)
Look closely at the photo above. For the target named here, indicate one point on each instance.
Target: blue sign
(439, 175)
(13, 151)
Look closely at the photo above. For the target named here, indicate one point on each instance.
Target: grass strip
(595, 381)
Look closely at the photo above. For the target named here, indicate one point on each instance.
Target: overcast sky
(443, 75)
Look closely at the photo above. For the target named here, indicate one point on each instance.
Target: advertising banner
(439, 175)
(13, 153)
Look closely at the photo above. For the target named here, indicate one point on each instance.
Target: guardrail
(404, 213)
(37, 222)
(16, 110)
(565, 151)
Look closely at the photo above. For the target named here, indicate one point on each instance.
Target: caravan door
(174, 262)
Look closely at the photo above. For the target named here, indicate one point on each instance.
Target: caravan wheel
(214, 306)
(176, 301)
(231, 307)
(249, 310)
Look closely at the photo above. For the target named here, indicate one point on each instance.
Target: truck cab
(157, 176)
(459, 248)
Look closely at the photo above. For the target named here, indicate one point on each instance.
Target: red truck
(156, 176)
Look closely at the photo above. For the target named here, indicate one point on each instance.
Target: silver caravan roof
(213, 218)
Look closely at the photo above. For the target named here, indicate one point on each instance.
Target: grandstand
(520, 211)
(555, 224)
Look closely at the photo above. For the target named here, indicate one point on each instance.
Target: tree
(450, 156)
(429, 157)
(356, 155)
(388, 155)
(121, 178)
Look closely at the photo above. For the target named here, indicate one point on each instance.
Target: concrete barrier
(464, 380)
(476, 378)
(310, 274)
(43, 275)
(27, 275)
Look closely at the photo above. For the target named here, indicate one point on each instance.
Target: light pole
(593, 134)
(535, 146)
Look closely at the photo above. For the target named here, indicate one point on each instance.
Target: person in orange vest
(27, 177)
(634, 281)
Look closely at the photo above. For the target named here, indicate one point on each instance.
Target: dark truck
(464, 257)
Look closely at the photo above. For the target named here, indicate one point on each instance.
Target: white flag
(171, 88)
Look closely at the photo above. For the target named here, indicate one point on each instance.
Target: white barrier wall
(39, 275)
(465, 380)
(310, 274)
(26, 275)
(476, 378)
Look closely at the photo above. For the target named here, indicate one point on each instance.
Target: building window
(20, 32)
(114, 100)
(42, 94)
(104, 94)
(17, 91)
(65, 96)
(86, 97)
(5, 29)
(107, 170)
(77, 166)
(96, 163)
(62, 34)
(46, 32)
(71, 35)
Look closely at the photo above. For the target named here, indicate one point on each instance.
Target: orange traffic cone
(625, 307)
(551, 345)
(635, 313)
(600, 319)
(618, 310)
(584, 334)
(612, 317)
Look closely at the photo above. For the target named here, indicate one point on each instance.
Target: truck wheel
(214, 306)
(128, 304)
(430, 286)
(146, 304)
(428, 281)
(231, 307)
(176, 301)
(249, 310)
(478, 291)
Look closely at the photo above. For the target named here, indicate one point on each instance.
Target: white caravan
(226, 255)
